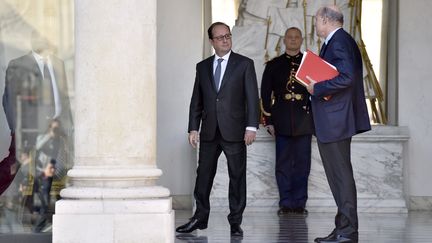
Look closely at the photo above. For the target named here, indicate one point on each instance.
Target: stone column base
(113, 221)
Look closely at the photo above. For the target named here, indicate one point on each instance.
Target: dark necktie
(47, 88)
(323, 47)
(217, 74)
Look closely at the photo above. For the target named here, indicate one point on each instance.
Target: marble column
(113, 196)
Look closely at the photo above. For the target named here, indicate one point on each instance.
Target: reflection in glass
(293, 229)
(36, 130)
(188, 237)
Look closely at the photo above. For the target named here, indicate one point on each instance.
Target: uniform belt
(292, 96)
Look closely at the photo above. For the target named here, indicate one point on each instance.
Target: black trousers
(209, 153)
(293, 163)
(336, 158)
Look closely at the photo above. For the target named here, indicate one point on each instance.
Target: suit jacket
(233, 108)
(289, 117)
(345, 114)
(24, 78)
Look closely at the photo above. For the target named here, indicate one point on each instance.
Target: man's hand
(270, 129)
(193, 138)
(249, 137)
(51, 133)
(310, 87)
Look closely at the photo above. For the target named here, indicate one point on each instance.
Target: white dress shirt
(331, 35)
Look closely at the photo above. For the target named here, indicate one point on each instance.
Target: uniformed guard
(287, 117)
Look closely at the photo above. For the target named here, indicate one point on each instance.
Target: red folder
(316, 68)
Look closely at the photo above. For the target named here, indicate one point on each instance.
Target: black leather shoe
(192, 225)
(236, 230)
(300, 211)
(284, 211)
(331, 236)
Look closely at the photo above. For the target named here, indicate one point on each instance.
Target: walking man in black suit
(339, 118)
(225, 102)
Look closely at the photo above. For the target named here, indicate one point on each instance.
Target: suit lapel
(35, 72)
(34, 65)
(210, 72)
(229, 69)
(323, 49)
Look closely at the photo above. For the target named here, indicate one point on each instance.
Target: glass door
(36, 128)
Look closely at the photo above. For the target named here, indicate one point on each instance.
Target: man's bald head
(328, 19)
(332, 13)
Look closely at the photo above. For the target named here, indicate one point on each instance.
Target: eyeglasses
(222, 37)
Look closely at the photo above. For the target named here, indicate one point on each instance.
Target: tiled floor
(268, 227)
(262, 227)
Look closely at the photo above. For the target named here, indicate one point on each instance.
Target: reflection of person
(42, 189)
(26, 179)
(293, 229)
(8, 167)
(52, 145)
(290, 121)
(9, 205)
(225, 101)
(37, 81)
(339, 118)
(187, 237)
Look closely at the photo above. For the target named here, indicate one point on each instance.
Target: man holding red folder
(339, 118)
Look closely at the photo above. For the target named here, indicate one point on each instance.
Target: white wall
(180, 47)
(415, 93)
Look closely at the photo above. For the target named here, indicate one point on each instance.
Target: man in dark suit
(37, 80)
(339, 118)
(35, 93)
(225, 102)
(289, 120)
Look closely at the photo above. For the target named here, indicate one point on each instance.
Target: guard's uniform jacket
(289, 109)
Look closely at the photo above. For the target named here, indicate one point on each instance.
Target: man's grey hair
(331, 14)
